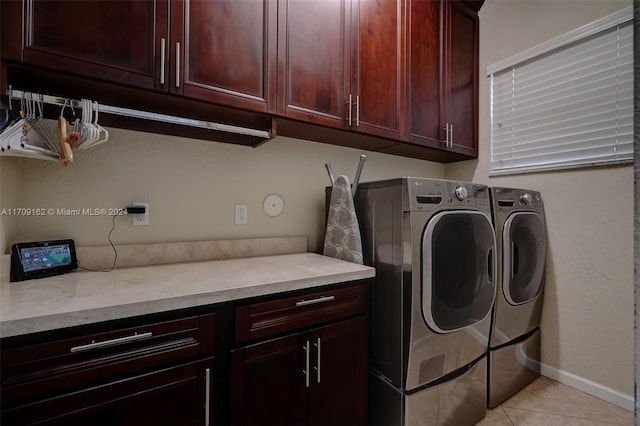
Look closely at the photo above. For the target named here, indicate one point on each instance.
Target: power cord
(115, 258)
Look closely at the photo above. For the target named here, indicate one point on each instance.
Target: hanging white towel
(342, 239)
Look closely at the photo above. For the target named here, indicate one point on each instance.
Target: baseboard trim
(587, 386)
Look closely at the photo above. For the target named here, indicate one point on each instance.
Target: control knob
(526, 198)
(461, 193)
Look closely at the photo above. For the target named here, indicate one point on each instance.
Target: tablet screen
(38, 258)
(42, 258)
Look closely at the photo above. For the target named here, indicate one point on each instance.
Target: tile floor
(547, 402)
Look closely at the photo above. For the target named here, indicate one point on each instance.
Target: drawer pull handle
(207, 396)
(314, 301)
(112, 342)
(306, 364)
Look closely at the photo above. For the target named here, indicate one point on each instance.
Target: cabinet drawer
(41, 369)
(175, 395)
(270, 318)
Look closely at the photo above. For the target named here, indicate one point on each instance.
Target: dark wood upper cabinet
(405, 70)
(117, 41)
(219, 51)
(394, 76)
(462, 77)
(314, 60)
(443, 75)
(340, 64)
(377, 83)
(425, 72)
(224, 51)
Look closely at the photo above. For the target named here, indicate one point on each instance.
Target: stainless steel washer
(514, 349)
(432, 244)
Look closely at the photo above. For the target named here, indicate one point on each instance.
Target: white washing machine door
(523, 257)
(458, 270)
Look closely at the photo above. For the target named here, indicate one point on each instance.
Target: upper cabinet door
(224, 51)
(425, 78)
(442, 45)
(377, 82)
(117, 41)
(462, 78)
(314, 60)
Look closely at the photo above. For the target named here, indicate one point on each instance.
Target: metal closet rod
(126, 112)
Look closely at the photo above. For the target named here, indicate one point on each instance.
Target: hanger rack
(126, 112)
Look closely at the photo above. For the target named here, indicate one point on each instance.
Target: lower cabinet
(314, 376)
(178, 395)
(338, 379)
(298, 358)
(145, 373)
(268, 384)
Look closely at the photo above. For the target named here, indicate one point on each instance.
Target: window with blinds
(566, 103)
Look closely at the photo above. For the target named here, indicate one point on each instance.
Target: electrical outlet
(241, 214)
(138, 219)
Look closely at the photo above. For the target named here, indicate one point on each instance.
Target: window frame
(541, 52)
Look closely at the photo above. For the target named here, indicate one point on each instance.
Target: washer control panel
(429, 195)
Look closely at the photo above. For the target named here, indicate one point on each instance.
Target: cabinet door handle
(349, 107)
(112, 342)
(357, 110)
(448, 135)
(207, 395)
(163, 47)
(317, 367)
(321, 299)
(306, 369)
(29, 17)
(177, 64)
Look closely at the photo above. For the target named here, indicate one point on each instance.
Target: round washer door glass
(523, 248)
(458, 267)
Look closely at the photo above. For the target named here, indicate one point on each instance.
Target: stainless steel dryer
(432, 244)
(514, 349)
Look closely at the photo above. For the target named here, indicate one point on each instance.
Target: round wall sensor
(273, 205)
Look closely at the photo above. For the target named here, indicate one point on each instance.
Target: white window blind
(568, 103)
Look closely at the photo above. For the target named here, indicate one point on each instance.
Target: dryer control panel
(508, 199)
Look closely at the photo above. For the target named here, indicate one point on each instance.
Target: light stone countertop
(83, 297)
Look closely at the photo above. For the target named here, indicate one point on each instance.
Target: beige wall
(9, 197)
(191, 186)
(588, 313)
